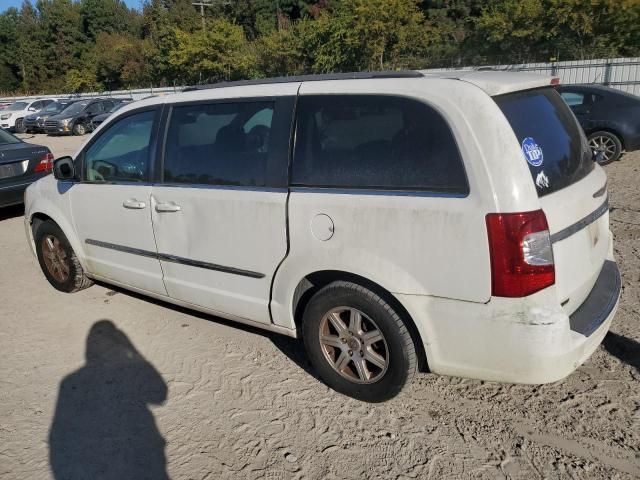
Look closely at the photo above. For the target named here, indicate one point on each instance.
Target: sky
(4, 4)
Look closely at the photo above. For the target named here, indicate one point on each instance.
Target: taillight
(521, 254)
(46, 163)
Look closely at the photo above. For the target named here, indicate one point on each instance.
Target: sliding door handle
(133, 203)
(167, 207)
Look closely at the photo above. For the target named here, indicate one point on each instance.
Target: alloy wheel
(55, 258)
(604, 145)
(353, 345)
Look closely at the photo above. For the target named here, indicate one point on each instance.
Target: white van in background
(394, 220)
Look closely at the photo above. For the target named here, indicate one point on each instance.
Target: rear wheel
(57, 259)
(79, 129)
(607, 144)
(20, 128)
(358, 343)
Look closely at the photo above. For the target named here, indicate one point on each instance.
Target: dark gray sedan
(21, 164)
(609, 117)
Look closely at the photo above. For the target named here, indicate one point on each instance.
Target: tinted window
(370, 141)
(36, 105)
(121, 153)
(219, 144)
(94, 108)
(552, 143)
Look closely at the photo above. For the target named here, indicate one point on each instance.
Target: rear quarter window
(375, 142)
(551, 140)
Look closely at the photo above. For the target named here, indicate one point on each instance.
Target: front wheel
(358, 343)
(57, 259)
(79, 129)
(20, 128)
(607, 144)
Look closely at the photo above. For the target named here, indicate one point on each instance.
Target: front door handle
(167, 207)
(134, 204)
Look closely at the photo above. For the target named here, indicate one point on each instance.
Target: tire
(19, 127)
(608, 143)
(69, 276)
(336, 357)
(79, 129)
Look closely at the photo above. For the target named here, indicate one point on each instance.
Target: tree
(219, 53)
(8, 50)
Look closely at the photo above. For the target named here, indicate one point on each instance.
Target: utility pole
(206, 3)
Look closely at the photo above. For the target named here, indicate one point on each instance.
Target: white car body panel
(239, 228)
(429, 251)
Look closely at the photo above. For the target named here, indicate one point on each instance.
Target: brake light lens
(46, 163)
(555, 81)
(521, 253)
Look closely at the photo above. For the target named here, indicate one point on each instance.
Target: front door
(219, 215)
(111, 206)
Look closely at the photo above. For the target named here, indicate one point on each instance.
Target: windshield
(552, 142)
(117, 106)
(17, 106)
(54, 107)
(74, 108)
(6, 138)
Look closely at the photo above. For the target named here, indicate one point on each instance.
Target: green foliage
(80, 45)
(219, 53)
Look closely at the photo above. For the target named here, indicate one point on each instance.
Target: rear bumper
(529, 340)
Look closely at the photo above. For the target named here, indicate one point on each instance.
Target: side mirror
(64, 168)
(31, 109)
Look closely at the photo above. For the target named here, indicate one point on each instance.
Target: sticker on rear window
(542, 181)
(532, 152)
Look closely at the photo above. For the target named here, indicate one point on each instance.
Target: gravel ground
(107, 384)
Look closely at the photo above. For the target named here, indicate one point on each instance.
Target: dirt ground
(106, 381)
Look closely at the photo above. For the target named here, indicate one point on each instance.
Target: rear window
(375, 142)
(552, 142)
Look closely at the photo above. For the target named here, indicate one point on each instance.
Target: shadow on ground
(103, 428)
(623, 348)
(293, 348)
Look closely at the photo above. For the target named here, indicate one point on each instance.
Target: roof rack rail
(310, 78)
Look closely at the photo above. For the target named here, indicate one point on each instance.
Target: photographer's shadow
(103, 428)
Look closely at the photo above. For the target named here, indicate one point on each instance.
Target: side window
(36, 106)
(219, 144)
(46, 102)
(121, 153)
(573, 98)
(94, 108)
(107, 105)
(375, 142)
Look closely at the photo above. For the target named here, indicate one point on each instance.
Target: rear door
(219, 212)
(571, 188)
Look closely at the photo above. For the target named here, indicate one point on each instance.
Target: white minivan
(396, 221)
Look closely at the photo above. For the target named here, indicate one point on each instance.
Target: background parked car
(21, 164)
(609, 117)
(12, 118)
(98, 119)
(35, 121)
(76, 119)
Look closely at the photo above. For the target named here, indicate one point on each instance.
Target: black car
(76, 119)
(35, 122)
(98, 119)
(610, 118)
(21, 164)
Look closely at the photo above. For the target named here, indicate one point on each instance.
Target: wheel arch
(38, 217)
(314, 281)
